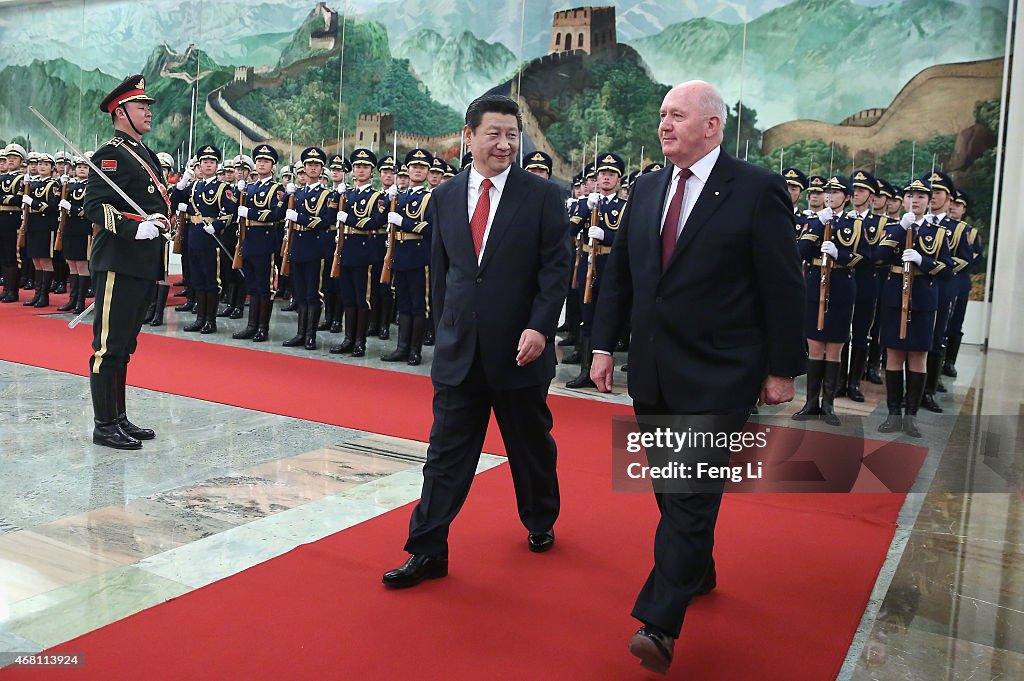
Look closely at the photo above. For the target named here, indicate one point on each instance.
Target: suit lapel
(712, 197)
(461, 235)
(508, 206)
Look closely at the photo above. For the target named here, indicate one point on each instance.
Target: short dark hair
(491, 104)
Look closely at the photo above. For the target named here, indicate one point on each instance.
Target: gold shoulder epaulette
(114, 142)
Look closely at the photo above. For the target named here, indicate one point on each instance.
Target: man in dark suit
(715, 300)
(499, 269)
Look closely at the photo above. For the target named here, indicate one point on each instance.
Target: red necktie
(675, 209)
(478, 225)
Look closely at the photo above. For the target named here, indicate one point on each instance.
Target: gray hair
(712, 104)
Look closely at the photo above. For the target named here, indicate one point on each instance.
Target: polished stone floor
(89, 536)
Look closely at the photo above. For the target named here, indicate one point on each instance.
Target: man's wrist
(601, 352)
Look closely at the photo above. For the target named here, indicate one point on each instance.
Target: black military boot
(200, 308)
(932, 377)
(401, 352)
(229, 298)
(844, 361)
(894, 400)
(44, 294)
(107, 426)
(420, 327)
(254, 321)
(915, 389)
(336, 315)
(238, 310)
(873, 373)
(386, 307)
(190, 301)
(161, 304)
(312, 322)
(572, 321)
(812, 408)
(362, 329)
(939, 387)
(37, 287)
(858, 358)
(70, 305)
(210, 326)
(151, 308)
(348, 344)
(127, 426)
(952, 350)
(292, 306)
(329, 301)
(266, 308)
(300, 335)
(83, 283)
(428, 332)
(582, 380)
(373, 319)
(11, 290)
(829, 381)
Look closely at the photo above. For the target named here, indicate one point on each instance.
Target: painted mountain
(833, 57)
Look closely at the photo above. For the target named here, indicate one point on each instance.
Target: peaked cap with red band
(133, 89)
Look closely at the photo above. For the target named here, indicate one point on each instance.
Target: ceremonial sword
(113, 185)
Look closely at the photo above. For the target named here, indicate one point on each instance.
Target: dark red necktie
(675, 209)
(478, 225)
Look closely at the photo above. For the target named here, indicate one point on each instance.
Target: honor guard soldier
(411, 258)
(284, 286)
(962, 285)
(316, 209)
(155, 311)
(77, 238)
(943, 192)
(263, 211)
(363, 227)
(211, 210)
(894, 205)
(232, 280)
(923, 263)
(867, 275)
(838, 255)
(466, 160)
(180, 200)
(796, 182)
(44, 205)
(382, 300)
(330, 287)
(539, 163)
(11, 191)
(885, 199)
(126, 258)
(815, 195)
(402, 180)
(597, 244)
(436, 174)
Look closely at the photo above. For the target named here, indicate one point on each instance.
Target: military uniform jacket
(930, 241)
(317, 208)
(366, 227)
(866, 271)
(211, 202)
(44, 214)
(10, 200)
(846, 235)
(412, 239)
(136, 170)
(77, 224)
(608, 219)
(267, 202)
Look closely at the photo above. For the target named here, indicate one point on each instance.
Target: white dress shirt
(473, 195)
(694, 185)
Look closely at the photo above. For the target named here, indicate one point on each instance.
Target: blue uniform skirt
(837, 322)
(920, 326)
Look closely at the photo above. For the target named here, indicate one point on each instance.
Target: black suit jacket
(728, 309)
(520, 283)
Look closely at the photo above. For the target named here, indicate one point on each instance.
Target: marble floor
(89, 536)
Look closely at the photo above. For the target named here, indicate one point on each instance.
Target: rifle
(826, 278)
(389, 257)
(58, 243)
(23, 230)
(588, 289)
(179, 229)
(908, 284)
(336, 264)
(236, 263)
(286, 247)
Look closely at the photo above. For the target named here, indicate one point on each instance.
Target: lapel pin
(716, 193)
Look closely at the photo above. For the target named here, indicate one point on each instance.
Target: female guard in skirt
(77, 239)
(928, 258)
(839, 254)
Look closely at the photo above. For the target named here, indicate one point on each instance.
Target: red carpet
(795, 571)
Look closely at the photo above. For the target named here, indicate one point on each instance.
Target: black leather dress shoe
(653, 648)
(708, 584)
(540, 542)
(416, 569)
(132, 430)
(111, 435)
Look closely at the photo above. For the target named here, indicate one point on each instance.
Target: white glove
(27, 200)
(829, 249)
(395, 219)
(595, 233)
(186, 177)
(825, 214)
(336, 238)
(243, 211)
(392, 191)
(593, 200)
(907, 221)
(182, 207)
(290, 188)
(65, 204)
(208, 229)
(569, 202)
(910, 255)
(149, 229)
(64, 179)
(240, 185)
(341, 188)
(342, 217)
(291, 216)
